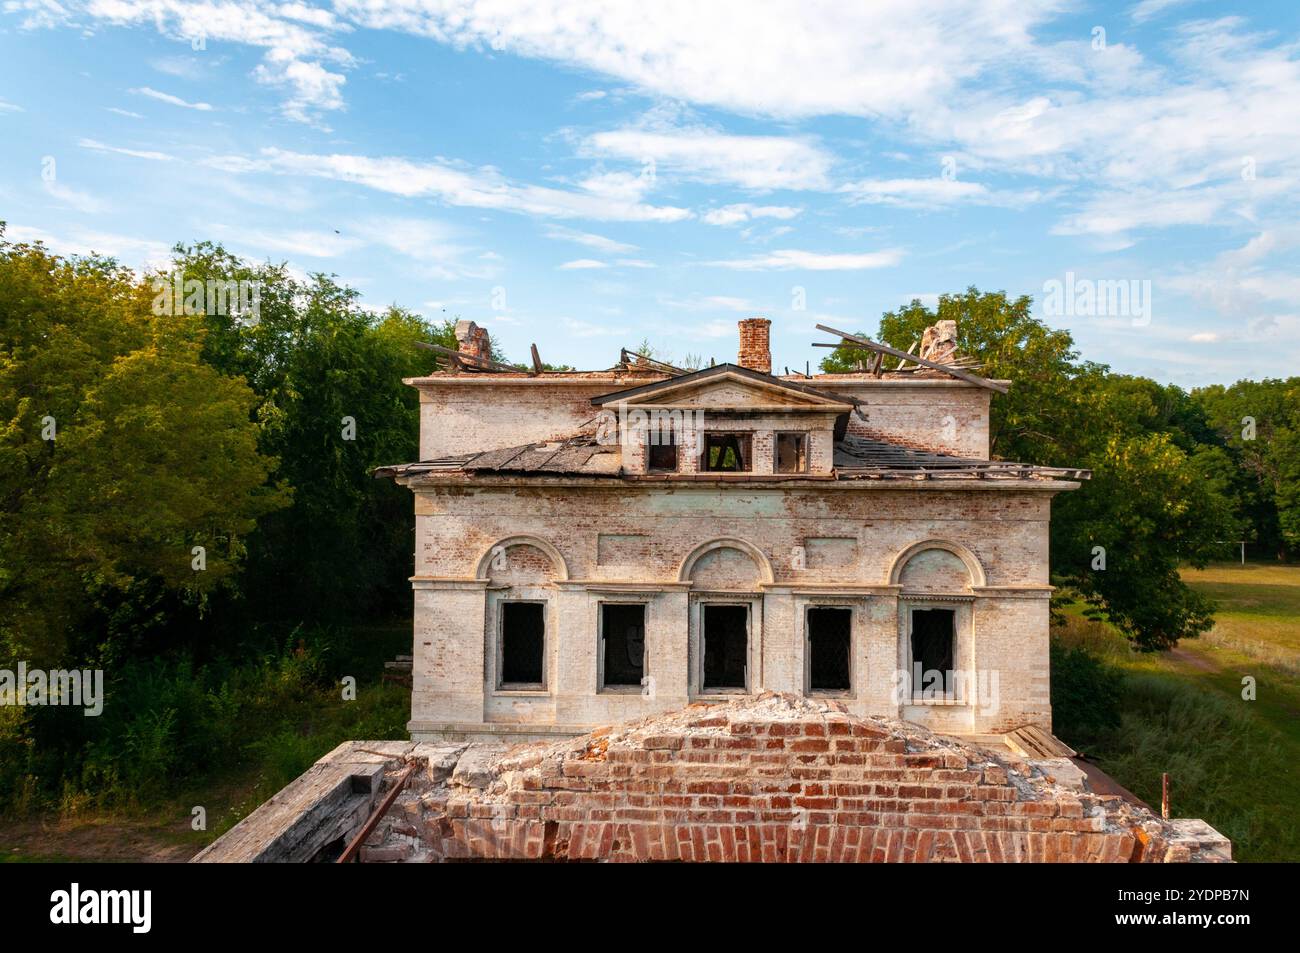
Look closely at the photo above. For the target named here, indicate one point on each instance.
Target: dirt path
(1193, 660)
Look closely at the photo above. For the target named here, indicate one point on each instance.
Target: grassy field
(1232, 761)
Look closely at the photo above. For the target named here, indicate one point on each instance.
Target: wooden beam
(467, 359)
(537, 361)
(956, 372)
(625, 354)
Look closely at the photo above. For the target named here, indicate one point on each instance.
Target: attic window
(662, 451)
(727, 452)
(792, 453)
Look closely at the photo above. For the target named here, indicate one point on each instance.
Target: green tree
(120, 451)
(331, 406)
(1258, 422)
(1148, 504)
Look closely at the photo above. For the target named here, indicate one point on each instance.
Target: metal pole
(354, 848)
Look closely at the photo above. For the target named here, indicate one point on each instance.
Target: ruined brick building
(594, 547)
(769, 618)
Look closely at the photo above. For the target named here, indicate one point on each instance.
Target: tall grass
(1226, 764)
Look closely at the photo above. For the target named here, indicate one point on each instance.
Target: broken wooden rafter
(956, 372)
(467, 360)
(537, 361)
(625, 358)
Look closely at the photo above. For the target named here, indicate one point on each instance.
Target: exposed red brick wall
(755, 345)
(772, 779)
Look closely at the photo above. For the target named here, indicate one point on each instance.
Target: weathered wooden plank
(947, 369)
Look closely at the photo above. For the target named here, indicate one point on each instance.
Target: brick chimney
(755, 345)
(473, 340)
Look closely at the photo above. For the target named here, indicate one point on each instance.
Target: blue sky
(587, 175)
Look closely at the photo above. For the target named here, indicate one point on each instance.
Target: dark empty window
(726, 452)
(622, 632)
(932, 650)
(523, 637)
(828, 649)
(662, 450)
(791, 453)
(726, 646)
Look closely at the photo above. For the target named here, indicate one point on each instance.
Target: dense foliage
(175, 478)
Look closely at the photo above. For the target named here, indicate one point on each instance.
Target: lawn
(1231, 760)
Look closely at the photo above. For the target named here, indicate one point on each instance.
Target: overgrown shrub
(1086, 695)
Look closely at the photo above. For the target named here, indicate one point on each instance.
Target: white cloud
(591, 240)
(7, 107)
(921, 193)
(813, 261)
(701, 154)
(707, 303)
(1205, 337)
(1148, 9)
(744, 212)
(297, 39)
(170, 99)
(781, 57)
(96, 146)
(134, 252)
(73, 198)
(434, 246)
(301, 242)
(455, 184)
(124, 112)
(184, 67)
(582, 264)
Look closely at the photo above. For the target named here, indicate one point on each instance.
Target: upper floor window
(791, 453)
(727, 452)
(661, 452)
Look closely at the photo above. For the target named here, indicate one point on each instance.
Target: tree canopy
(1170, 483)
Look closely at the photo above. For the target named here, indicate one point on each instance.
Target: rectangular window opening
(792, 453)
(727, 452)
(726, 647)
(829, 637)
(523, 641)
(662, 450)
(933, 638)
(622, 632)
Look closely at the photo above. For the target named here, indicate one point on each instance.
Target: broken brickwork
(769, 779)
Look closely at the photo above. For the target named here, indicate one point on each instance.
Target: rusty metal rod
(373, 820)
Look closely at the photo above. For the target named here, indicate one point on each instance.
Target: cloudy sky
(586, 175)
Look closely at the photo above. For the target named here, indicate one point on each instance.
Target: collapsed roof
(859, 453)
